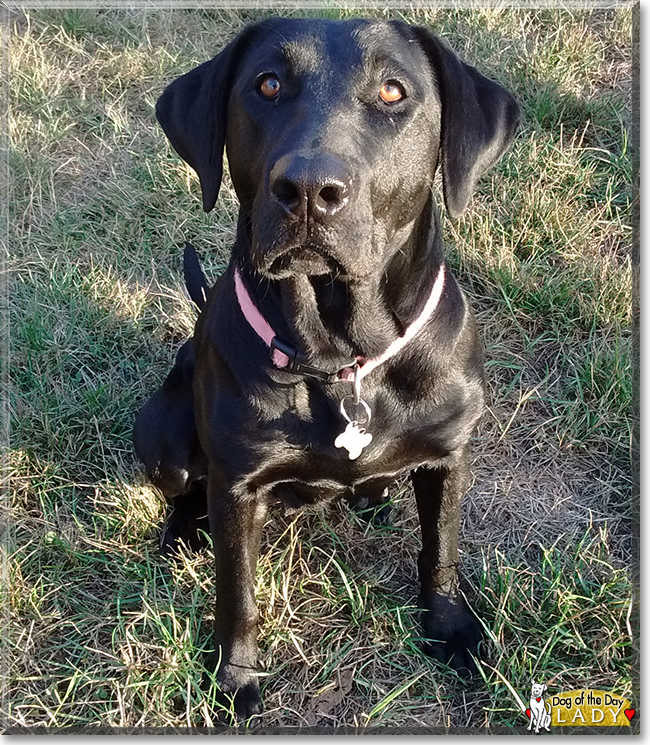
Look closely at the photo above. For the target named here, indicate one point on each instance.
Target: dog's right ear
(192, 111)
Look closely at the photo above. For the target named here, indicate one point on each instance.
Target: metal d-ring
(365, 406)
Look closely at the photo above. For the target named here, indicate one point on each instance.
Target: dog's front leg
(451, 629)
(236, 526)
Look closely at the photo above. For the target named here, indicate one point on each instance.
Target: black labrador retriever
(337, 351)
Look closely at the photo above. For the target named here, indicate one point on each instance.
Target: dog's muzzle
(307, 224)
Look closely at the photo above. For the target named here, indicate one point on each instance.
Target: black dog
(336, 352)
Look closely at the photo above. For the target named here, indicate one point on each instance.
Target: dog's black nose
(318, 187)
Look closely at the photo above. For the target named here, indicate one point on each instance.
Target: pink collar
(284, 356)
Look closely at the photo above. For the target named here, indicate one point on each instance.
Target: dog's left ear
(192, 111)
(479, 120)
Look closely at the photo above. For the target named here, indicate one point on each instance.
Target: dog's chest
(284, 443)
(303, 465)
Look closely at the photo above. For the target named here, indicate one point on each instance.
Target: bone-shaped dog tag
(354, 440)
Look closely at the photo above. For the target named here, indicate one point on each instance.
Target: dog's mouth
(306, 260)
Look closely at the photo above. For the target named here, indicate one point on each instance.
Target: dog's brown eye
(269, 86)
(391, 92)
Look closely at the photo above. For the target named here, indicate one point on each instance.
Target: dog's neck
(331, 321)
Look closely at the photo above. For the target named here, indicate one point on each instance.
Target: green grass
(104, 632)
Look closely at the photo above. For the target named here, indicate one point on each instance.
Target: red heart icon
(528, 713)
(629, 713)
(538, 700)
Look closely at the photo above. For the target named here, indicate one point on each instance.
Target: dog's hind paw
(187, 522)
(378, 515)
(192, 534)
(373, 509)
(452, 632)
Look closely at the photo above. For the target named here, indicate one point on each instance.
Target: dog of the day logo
(583, 708)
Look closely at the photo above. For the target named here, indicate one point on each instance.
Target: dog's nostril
(287, 194)
(329, 194)
(329, 198)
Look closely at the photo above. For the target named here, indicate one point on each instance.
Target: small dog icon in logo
(540, 715)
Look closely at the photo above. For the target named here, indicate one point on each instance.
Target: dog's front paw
(451, 630)
(239, 694)
(247, 701)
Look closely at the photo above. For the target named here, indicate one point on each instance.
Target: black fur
(338, 244)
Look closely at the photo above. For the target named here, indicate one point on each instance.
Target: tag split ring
(346, 416)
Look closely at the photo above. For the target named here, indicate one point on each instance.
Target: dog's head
(537, 689)
(333, 132)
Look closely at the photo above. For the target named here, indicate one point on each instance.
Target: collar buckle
(298, 366)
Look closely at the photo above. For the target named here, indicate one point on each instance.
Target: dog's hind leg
(167, 442)
(452, 630)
